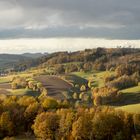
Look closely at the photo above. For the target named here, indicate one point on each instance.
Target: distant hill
(100, 58)
(8, 60)
(34, 55)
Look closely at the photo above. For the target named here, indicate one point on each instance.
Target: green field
(21, 92)
(135, 89)
(8, 78)
(97, 77)
(135, 108)
(131, 96)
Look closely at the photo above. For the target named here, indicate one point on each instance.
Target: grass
(129, 96)
(18, 91)
(8, 78)
(97, 77)
(4, 80)
(85, 75)
(135, 89)
(21, 92)
(135, 108)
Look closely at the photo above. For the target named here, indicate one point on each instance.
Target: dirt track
(54, 85)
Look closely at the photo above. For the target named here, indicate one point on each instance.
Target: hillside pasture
(134, 108)
(129, 96)
(21, 92)
(97, 77)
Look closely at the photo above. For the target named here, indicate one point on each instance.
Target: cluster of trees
(127, 69)
(104, 95)
(101, 58)
(50, 119)
(61, 69)
(127, 75)
(18, 82)
(84, 67)
(18, 113)
(98, 59)
(29, 83)
(123, 82)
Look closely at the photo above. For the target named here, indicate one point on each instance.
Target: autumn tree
(106, 125)
(66, 120)
(6, 124)
(49, 103)
(82, 128)
(46, 125)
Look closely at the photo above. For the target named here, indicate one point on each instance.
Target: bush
(49, 103)
(83, 88)
(18, 82)
(75, 96)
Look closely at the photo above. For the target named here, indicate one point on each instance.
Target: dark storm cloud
(114, 19)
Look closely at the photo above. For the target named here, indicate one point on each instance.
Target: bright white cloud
(57, 25)
(63, 44)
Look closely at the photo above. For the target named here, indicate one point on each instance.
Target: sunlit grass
(97, 77)
(134, 108)
(135, 89)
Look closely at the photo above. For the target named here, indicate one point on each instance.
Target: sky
(67, 25)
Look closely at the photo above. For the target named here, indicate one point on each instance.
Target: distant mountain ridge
(8, 61)
(34, 55)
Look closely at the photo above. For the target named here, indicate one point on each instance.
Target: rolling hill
(8, 60)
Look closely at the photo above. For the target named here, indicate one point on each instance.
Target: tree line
(48, 118)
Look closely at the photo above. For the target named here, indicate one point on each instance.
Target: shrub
(75, 96)
(18, 82)
(49, 103)
(83, 88)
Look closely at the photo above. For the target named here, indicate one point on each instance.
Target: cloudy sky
(55, 25)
